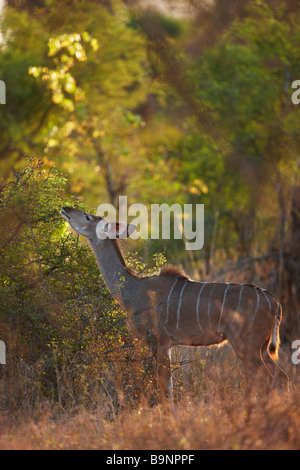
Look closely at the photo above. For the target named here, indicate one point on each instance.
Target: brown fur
(121, 257)
(172, 271)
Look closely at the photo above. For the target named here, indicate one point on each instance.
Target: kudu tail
(275, 339)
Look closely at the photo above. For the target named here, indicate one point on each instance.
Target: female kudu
(170, 309)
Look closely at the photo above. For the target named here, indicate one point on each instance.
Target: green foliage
(60, 81)
(56, 314)
(52, 294)
(87, 84)
(27, 100)
(245, 80)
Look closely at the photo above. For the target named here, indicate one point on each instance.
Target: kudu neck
(119, 279)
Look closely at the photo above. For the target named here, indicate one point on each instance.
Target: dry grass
(218, 412)
(269, 423)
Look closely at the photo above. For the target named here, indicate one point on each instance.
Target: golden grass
(226, 416)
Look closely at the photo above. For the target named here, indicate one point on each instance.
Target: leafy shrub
(66, 337)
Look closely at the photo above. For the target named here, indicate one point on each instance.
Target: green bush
(66, 337)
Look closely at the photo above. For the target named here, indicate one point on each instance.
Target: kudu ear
(114, 230)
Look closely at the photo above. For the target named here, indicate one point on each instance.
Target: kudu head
(95, 227)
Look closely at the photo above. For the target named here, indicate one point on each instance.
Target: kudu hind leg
(280, 377)
(276, 376)
(256, 365)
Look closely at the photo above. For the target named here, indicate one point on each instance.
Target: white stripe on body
(197, 305)
(238, 305)
(169, 297)
(240, 297)
(209, 302)
(179, 304)
(267, 298)
(223, 303)
(257, 303)
(257, 289)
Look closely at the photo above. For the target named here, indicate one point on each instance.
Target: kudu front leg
(164, 377)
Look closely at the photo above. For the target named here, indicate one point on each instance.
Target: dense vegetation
(109, 98)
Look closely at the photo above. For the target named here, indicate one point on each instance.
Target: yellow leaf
(194, 190)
